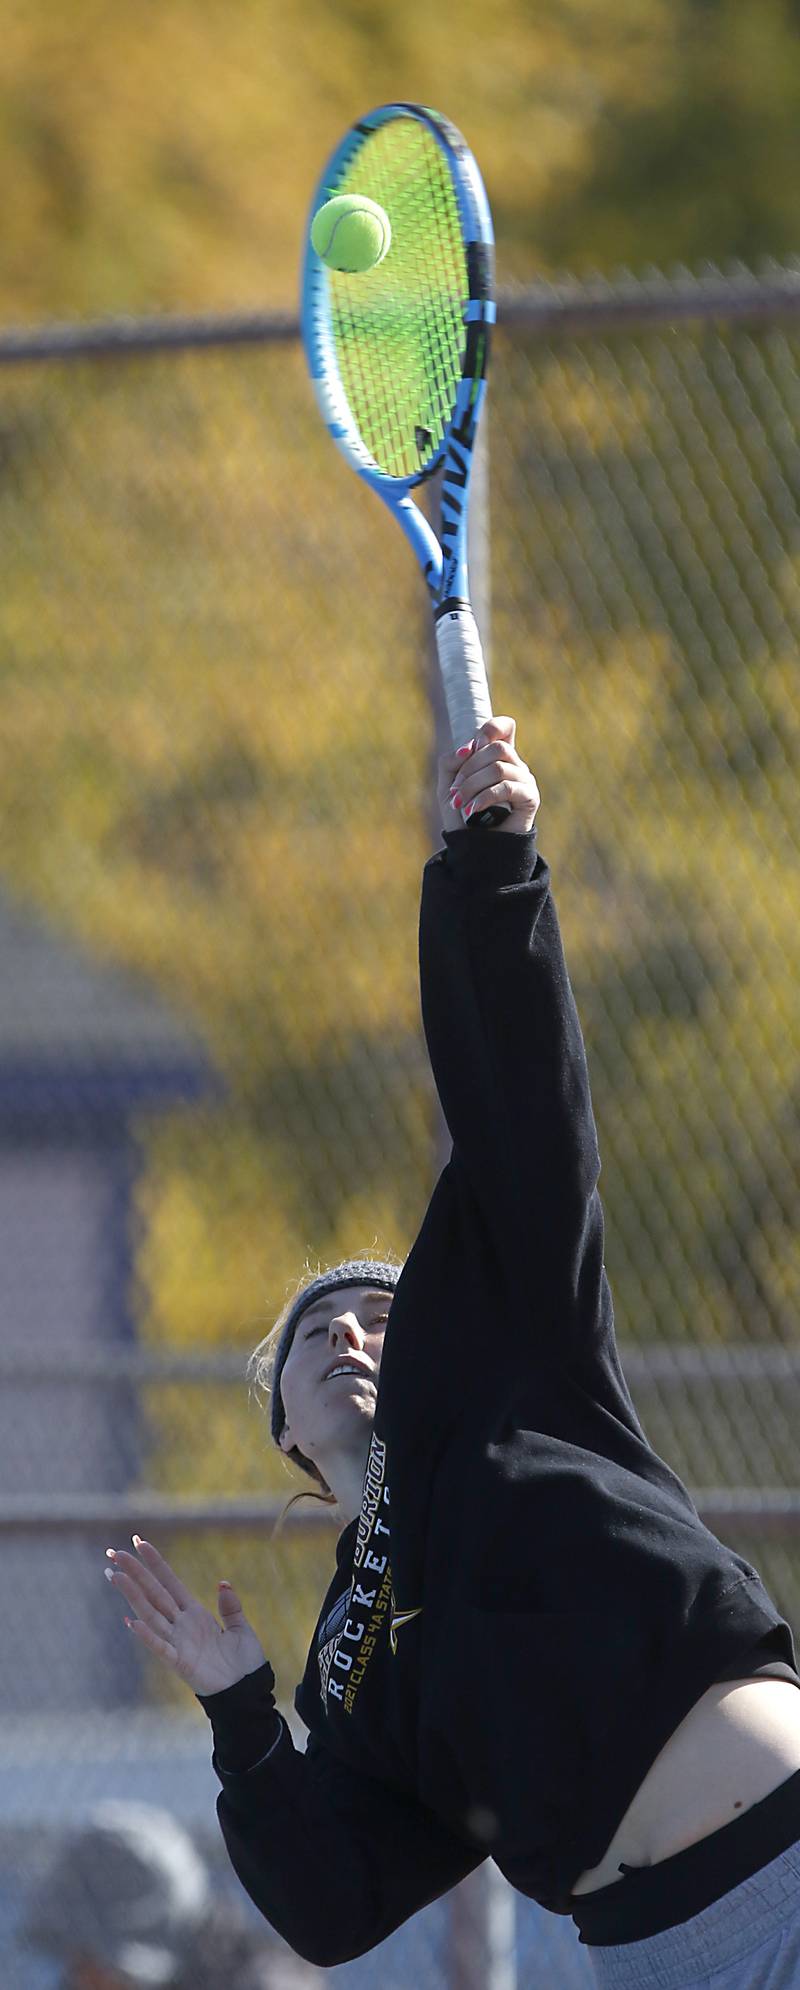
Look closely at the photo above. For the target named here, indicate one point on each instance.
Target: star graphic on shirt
(400, 1617)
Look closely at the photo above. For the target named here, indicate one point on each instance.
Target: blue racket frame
(444, 566)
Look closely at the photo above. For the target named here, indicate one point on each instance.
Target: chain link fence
(218, 745)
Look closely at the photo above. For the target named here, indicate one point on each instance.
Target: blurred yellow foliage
(167, 161)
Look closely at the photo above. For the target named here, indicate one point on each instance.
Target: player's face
(330, 1378)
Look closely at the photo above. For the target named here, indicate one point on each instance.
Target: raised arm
(506, 1048)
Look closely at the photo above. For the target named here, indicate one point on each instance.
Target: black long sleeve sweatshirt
(529, 1603)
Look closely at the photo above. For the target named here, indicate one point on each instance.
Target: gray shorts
(749, 1939)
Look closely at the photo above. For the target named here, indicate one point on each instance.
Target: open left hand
(492, 771)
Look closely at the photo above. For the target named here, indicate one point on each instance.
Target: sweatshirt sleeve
(333, 1859)
(508, 1060)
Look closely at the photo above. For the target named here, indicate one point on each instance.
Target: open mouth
(349, 1375)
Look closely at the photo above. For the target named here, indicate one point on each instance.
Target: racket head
(398, 355)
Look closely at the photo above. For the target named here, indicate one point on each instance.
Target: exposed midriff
(738, 1742)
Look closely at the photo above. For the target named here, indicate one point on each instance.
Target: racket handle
(466, 688)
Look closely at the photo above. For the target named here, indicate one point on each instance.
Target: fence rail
(549, 310)
(773, 1514)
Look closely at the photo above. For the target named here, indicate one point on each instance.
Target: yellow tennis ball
(351, 233)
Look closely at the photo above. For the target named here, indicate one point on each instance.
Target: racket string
(399, 332)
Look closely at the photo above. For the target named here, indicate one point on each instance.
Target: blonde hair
(259, 1373)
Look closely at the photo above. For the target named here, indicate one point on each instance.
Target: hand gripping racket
(398, 359)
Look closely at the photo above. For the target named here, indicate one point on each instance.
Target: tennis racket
(398, 358)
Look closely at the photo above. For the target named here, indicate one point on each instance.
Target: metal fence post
(479, 560)
(481, 1949)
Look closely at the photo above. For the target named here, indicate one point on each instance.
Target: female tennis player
(532, 1649)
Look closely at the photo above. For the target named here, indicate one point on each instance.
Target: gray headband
(357, 1271)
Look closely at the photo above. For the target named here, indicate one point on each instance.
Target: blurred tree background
(163, 157)
(196, 747)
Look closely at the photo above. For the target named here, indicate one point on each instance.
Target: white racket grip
(466, 689)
